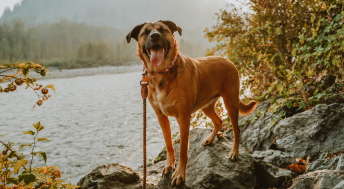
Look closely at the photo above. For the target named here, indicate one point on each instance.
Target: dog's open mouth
(156, 55)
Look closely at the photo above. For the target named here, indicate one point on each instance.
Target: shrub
(16, 168)
(283, 46)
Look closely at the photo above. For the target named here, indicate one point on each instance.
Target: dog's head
(157, 46)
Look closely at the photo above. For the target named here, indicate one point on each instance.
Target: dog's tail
(245, 109)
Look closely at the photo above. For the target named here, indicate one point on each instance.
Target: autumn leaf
(300, 166)
(29, 132)
(52, 87)
(42, 139)
(38, 126)
(19, 164)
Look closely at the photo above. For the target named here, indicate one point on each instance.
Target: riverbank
(54, 73)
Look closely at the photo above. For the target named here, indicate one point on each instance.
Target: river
(90, 120)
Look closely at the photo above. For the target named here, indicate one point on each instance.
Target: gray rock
(310, 133)
(339, 185)
(340, 164)
(209, 167)
(275, 157)
(269, 175)
(322, 179)
(112, 176)
(324, 162)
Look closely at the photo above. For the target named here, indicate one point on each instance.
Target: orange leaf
(297, 168)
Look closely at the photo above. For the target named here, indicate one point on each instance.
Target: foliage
(283, 47)
(16, 168)
(20, 76)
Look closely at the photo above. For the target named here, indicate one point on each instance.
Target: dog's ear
(134, 33)
(173, 27)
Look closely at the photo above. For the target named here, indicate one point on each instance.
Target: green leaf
(42, 139)
(12, 181)
(43, 156)
(278, 31)
(29, 132)
(27, 178)
(25, 71)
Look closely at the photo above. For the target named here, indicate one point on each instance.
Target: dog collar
(166, 70)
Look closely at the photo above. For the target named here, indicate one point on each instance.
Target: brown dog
(180, 85)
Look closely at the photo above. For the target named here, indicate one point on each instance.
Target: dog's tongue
(157, 56)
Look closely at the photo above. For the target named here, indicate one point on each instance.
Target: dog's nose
(155, 35)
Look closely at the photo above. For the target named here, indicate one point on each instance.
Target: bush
(16, 168)
(284, 47)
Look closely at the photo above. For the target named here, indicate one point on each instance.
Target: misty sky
(7, 3)
(11, 3)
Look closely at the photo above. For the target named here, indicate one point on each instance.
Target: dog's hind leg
(217, 122)
(232, 105)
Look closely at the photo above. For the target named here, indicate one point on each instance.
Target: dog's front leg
(166, 131)
(178, 176)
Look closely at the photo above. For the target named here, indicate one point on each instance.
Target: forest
(67, 44)
(63, 44)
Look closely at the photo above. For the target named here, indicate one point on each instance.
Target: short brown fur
(194, 84)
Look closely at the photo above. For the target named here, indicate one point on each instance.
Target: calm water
(90, 121)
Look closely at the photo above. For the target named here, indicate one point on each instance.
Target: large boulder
(317, 134)
(210, 167)
(310, 133)
(112, 176)
(322, 179)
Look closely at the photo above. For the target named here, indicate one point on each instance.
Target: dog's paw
(233, 155)
(209, 140)
(167, 170)
(220, 135)
(178, 177)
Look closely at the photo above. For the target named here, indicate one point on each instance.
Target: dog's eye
(161, 30)
(145, 32)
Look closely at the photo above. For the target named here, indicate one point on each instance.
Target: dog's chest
(163, 100)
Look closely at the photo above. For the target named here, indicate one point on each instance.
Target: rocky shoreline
(303, 151)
